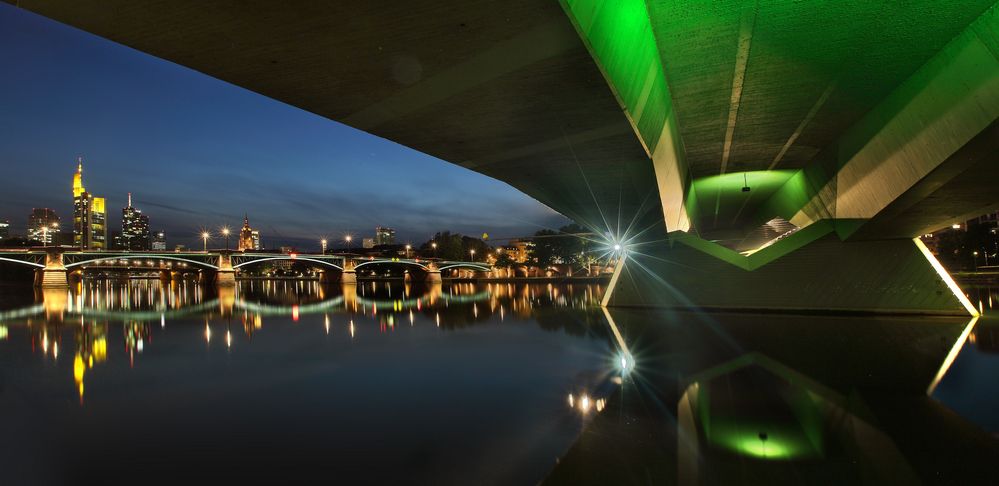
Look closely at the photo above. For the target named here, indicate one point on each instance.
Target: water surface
(124, 382)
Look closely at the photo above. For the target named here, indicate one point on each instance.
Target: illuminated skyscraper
(43, 225)
(90, 230)
(134, 228)
(159, 241)
(255, 237)
(384, 236)
(249, 238)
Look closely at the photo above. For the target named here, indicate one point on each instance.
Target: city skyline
(301, 176)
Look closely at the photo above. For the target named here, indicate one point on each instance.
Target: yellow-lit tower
(89, 215)
(81, 207)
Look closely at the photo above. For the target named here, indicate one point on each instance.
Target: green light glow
(783, 442)
(719, 200)
(769, 449)
(620, 38)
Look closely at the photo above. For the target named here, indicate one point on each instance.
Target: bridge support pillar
(54, 273)
(812, 270)
(349, 275)
(226, 276)
(433, 273)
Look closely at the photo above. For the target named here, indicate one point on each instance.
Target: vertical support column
(54, 273)
(349, 276)
(433, 273)
(226, 274)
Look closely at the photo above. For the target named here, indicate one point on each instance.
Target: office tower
(43, 226)
(90, 230)
(134, 228)
(384, 236)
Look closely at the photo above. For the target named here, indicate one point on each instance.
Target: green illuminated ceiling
(620, 37)
(797, 51)
(754, 86)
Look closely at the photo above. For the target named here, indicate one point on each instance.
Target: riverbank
(598, 279)
(986, 277)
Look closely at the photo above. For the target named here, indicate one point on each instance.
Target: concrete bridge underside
(859, 125)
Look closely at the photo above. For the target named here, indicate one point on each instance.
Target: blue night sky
(197, 152)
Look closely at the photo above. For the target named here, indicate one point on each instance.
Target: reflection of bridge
(57, 303)
(54, 265)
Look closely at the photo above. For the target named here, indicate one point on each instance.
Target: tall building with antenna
(134, 228)
(90, 230)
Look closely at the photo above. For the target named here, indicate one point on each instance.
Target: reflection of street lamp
(225, 231)
(323, 242)
(204, 238)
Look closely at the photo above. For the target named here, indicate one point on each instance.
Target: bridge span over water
(54, 265)
(743, 154)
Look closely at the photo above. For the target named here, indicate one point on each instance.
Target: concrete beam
(918, 130)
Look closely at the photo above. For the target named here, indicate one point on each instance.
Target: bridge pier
(349, 275)
(226, 275)
(813, 270)
(433, 274)
(54, 273)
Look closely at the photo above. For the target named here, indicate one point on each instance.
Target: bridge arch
(22, 262)
(393, 262)
(471, 266)
(140, 257)
(288, 258)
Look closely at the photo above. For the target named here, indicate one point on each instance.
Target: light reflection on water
(443, 378)
(484, 383)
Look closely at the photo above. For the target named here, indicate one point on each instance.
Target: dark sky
(197, 152)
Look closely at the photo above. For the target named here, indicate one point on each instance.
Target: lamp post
(434, 246)
(347, 239)
(408, 247)
(975, 254)
(45, 233)
(323, 243)
(225, 231)
(472, 252)
(204, 239)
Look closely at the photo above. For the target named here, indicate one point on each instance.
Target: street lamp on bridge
(347, 239)
(408, 247)
(204, 239)
(225, 232)
(323, 243)
(472, 252)
(45, 233)
(434, 246)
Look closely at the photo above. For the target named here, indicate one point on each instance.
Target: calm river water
(137, 382)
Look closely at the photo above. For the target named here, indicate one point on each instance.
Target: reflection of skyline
(89, 309)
